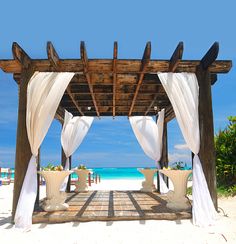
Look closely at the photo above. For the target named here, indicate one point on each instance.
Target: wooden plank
(53, 56)
(115, 51)
(73, 100)
(144, 63)
(20, 55)
(207, 149)
(210, 56)
(176, 57)
(23, 151)
(128, 66)
(84, 59)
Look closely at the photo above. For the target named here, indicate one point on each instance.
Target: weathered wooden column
(207, 148)
(69, 179)
(23, 151)
(38, 179)
(164, 156)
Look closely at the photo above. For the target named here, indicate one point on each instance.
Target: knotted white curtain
(149, 135)
(44, 93)
(183, 92)
(73, 132)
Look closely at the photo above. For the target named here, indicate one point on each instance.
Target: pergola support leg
(63, 162)
(23, 151)
(38, 179)
(164, 156)
(207, 148)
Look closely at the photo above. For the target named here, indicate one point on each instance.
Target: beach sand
(149, 231)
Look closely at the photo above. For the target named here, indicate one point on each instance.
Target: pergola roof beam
(84, 59)
(152, 103)
(210, 56)
(144, 62)
(73, 100)
(115, 51)
(20, 56)
(60, 114)
(176, 57)
(128, 66)
(53, 57)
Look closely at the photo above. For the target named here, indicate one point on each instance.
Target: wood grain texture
(23, 150)
(144, 63)
(207, 149)
(176, 57)
(84, 59)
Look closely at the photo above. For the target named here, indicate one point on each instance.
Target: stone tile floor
(111, 206)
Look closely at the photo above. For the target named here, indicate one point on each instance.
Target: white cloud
(181, 146)
(175, 157)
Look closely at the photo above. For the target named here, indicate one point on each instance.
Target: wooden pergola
(118, 87)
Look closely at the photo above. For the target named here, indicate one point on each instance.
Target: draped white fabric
(183, 92)
(44, 92)
(73, 132)
(149, 135)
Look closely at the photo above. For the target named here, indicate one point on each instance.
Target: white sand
(149, 231)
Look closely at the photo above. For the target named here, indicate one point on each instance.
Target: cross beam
(210, 56)
(144, 62)
(84, 59)
(53, 57)
(115, 51)
(176, 57)
(20, 55)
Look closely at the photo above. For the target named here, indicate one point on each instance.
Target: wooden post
(89, 179)
(164, 156)
(69, 178)
(23, 151)
(38, 179)
(207, 148)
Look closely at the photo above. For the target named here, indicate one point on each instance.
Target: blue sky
(111, 142)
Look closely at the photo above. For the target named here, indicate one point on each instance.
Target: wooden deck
(111, 206)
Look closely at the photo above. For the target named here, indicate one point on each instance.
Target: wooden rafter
(60, 113)
(169, 113)
(53, 56)
(176, 57)
(114, 78)
(152, 103)
(84, 58)
(55, 62)
(73, 100)
(144, 63)
(20, 55)
(210, 56)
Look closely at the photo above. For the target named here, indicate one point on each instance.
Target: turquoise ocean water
(106, 173)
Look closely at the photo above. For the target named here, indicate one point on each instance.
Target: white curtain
(73, 132)
(149, 135)
(44, 92)
(183, 92)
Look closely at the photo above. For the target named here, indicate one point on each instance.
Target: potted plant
(81, 184)
(54, 177)
(178, 174)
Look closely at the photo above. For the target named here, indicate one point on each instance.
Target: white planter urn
(55, 199)
(147, 184)
(177, 199)
(81, 185)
